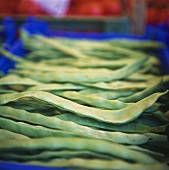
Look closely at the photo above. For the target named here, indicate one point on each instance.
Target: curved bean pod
(55, 154)
(76, 77)
(128, 127)
(56, 87)
(8, 135)
(98, 164)
(121, 116)
(16, 80)
(55, 123)
(107, 94)
(154, 87)
(118, 85)
(93, 101)
(95, 145)
(32, 131)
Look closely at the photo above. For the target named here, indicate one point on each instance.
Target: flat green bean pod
(44, 67)
(148, 68)
(93, 100)
(132, 127)
(121, 116)
(155, 86)
(140, 77)
(55, 123)
(79, 77)
(45, 155)
(118, 116)
(16, 80)
(43, 54)
(98, 164)
(94, 145)
(94, 63)
(118, 85)
(23, 63)
(149, 152)
(150, 120)
(32, 131)
(107, 94)
(56, 87)
(8, 135)
(3, 91)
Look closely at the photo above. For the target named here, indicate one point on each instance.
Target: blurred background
(126, 16)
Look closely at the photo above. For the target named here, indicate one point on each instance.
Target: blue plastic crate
(15, 166)
(8, 33)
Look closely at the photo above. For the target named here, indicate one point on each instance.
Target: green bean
(94, 63)
(140, 77)
(31, 44)
(8, 135)
(98, 102)
(98, 164)
(79, 77)
(166, 114)
(150, 120)
(43, 67)
(166, 78)
(16, 83)
(32, 105)
(100, 146)
(153, 60)
(113, 48)
(16, 80)
(45, 155)
(149, 69)
(83, 77)
(130, 44)
(3, 91)
(156, 137)
(55, 123)
(118, 85)
(32, 131)
(117, 116)
(45, 54)
(107, 94)
(23, 63)
(128, 127)
(56, 87)
(154, 87)
(58, 46)
(101, 54)
(153, 108)
(149, 152)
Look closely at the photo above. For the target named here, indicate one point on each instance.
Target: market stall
(83, 100)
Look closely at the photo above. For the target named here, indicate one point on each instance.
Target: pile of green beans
(85, 104)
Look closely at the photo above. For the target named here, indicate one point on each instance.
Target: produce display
(85, 104)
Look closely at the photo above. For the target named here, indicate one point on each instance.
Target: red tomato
(93, 8)
(5, 7)
(28, 7)
(163, 16)
(151, 16)
(112, 7)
